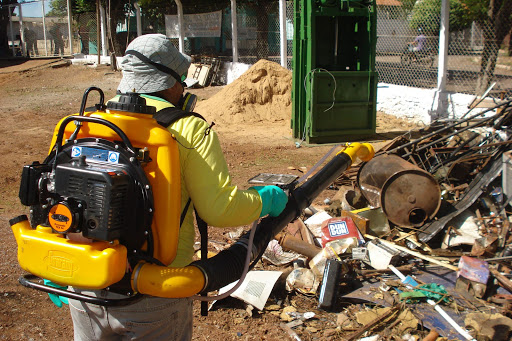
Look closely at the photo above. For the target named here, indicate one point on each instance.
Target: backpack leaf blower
(105, 209)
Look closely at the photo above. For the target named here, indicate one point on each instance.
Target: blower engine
(92, 188)
(99, 198)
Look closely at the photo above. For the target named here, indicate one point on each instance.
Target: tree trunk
(495, 29)
(510, 44)
(487, 65)
(116, 42)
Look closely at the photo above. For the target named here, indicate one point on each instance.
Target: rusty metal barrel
(408, 195)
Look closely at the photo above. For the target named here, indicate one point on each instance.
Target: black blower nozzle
(227, 266)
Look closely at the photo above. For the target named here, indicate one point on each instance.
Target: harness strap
(158, 66)
(203, 231)
(184, 213)
(168, 116)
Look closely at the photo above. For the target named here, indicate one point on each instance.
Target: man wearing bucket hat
(155, 69)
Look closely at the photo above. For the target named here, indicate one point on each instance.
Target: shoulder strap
(202, 226)
(168, 116)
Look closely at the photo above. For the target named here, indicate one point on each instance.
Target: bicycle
(423, 57)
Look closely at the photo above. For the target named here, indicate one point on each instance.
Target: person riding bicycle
(419, 42)
(418, 52)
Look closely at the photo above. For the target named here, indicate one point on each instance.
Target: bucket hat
(152, 64)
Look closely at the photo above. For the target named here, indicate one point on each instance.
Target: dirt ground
(33, 96)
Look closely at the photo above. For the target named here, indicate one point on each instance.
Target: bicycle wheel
(430, 60)
(426, 60)
(405, 59)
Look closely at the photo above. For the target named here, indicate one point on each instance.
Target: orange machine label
(60, 218)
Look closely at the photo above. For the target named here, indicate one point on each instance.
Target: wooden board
(203, 74)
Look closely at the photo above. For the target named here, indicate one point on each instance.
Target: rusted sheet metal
(474, 269)
(408, 195)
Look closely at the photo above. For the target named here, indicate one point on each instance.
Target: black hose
(27, 281)
(82, 108)
(227, 266)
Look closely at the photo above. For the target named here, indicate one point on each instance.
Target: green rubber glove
(273, 200)
(56, 299)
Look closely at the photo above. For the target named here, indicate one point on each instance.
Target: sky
(33, 9)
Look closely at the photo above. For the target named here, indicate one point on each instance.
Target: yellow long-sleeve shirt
(205, 179)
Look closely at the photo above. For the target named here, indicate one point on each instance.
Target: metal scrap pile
(422, 230)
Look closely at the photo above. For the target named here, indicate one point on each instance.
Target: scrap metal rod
(445, 137)
(504, 281)
(447, 128)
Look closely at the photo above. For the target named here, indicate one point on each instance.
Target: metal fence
(85, 28)
(38, 30)
(397, 61)
(399, 26)
(258, 30)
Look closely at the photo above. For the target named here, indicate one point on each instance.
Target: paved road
(462, 74)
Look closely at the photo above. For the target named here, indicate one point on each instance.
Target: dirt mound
(261, 94)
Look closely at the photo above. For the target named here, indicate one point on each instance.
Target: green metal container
(334, 79)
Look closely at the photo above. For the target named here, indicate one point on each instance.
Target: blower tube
(227, 266)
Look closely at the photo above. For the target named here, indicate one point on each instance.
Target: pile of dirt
(261, 94)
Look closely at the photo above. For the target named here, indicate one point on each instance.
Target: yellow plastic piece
(51, 256)
(163, 172)
(161, 281)
(364, 209)
(362, 151)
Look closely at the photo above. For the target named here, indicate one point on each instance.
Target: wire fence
(406, 52)
(408, 46)
(258, 32)
(86, 30)
(38, 30)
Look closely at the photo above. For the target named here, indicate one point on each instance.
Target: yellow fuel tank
(51, 256)
(163, 171)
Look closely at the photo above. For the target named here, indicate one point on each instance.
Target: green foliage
(476, 9)
(426, 15)
(82, 6)
(408, 5)
(155, 10)
(459, 18)
(8, 2)
(59, 8)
